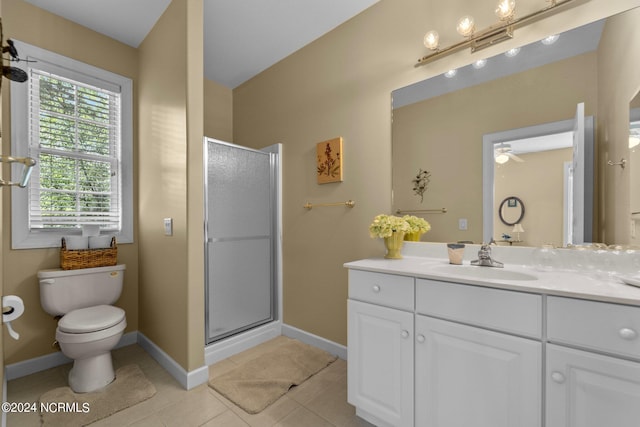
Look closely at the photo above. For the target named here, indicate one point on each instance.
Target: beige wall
(337, 86)
(451, 127)
(537, 181)
(170, 174)
(218, 111)
(621, 67)
(167, 305)
(340, 85)
(32, 25)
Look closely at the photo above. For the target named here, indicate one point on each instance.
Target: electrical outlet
(168, 226)
(462, 223)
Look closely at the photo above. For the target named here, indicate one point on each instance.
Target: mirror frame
(506, 200)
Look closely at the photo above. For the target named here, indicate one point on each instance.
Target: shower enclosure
(240, 232)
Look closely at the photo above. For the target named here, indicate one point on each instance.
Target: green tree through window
(78, 154)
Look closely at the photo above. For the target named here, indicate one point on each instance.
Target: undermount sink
(484, 272)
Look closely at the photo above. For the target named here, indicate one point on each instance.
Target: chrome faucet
(484, 257)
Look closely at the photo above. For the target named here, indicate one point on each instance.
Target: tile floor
(321, 401)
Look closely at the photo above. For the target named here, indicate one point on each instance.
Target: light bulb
(502, 158)
(466, 26)
(550, 40)
(512, 52)
(431, 40)
(451, 73)
(506, 9)
(479, 63)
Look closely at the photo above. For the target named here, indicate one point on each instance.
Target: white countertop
(599, 287)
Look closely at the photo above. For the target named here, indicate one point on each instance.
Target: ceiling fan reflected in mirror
(503, 152)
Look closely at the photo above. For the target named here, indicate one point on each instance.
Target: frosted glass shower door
(240, 212)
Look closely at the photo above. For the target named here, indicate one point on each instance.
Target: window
(75, 120)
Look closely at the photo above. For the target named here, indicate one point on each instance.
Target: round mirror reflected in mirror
(511, 211)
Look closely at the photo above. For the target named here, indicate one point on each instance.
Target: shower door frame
(274, 152)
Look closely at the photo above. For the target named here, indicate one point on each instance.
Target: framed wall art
(329, 161)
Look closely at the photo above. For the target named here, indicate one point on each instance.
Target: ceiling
(241, 37)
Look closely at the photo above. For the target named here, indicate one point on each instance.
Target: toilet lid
(91, 319)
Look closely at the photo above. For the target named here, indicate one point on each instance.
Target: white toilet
(90, 326)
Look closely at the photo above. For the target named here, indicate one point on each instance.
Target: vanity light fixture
(466, 26)
(431, 40)
(476, 40)
(506, 10)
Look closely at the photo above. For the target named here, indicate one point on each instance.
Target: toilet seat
(91, 324)
(86, 337)
(91, 319)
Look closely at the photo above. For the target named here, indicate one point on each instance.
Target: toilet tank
(62, 291)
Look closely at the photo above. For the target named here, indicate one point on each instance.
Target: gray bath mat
(129, 388)
(259, 382)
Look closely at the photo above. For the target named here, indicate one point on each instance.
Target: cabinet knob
(404, 334)
(376, 288)
(558, 377)
(421, 338)
(627, 333)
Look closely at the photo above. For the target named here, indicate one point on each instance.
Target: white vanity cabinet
(431, 353)
(598, 382)
(380, 356)
(470, 376)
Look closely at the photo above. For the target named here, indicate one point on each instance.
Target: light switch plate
(168, 226)
(462, 223)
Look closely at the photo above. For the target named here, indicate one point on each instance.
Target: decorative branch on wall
(421, 182)
(329, 161)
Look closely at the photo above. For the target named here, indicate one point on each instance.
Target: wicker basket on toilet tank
(71, 259)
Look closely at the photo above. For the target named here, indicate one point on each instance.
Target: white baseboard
(51, 360)
(316, 341)
(188, 380)
(216, 352)
(37, 364)
(213, 353)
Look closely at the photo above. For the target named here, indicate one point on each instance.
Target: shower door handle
(231, 239)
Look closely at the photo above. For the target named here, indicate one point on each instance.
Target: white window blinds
(74, 134)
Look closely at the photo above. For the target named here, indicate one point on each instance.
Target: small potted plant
(418, 226)
(392, 229)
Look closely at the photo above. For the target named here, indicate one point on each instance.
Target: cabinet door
(380, 363)
(590, 390)
(467, 376)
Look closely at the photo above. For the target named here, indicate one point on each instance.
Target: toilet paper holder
(12, 308)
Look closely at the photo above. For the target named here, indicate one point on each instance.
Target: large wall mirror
(439, 125)
(634, 160)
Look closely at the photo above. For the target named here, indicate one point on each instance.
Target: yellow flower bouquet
(392, 229)
(417, 227)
